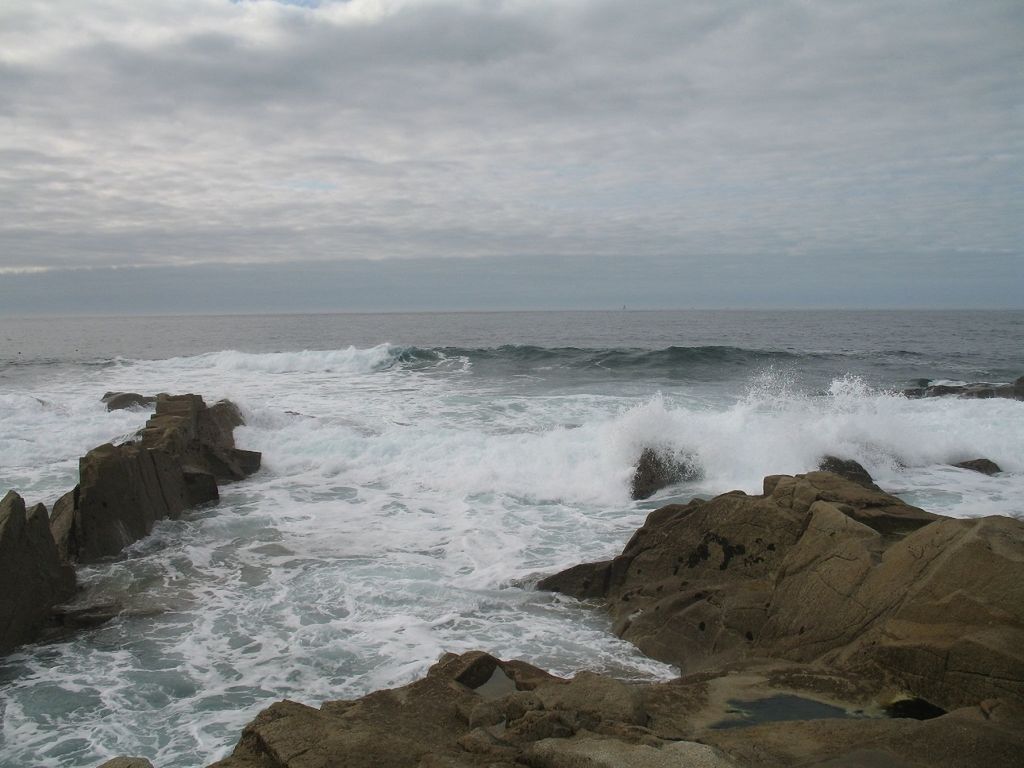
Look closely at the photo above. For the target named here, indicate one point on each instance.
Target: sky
(209, 155)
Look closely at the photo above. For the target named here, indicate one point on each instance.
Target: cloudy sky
(262, 155)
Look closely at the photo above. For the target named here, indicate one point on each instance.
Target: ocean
(422, 471)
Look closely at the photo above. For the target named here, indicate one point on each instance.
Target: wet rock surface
(849, 469)
(657, 469)
(32, 576)
(821, 570)
(117, 401)
(174, 463)
(984, 466)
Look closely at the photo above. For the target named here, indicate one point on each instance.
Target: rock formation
(174, 463)
(656, 470)
(819, 569)
(475, 710)
(33, 577)
(116, 401)
(798, 618)
(849, 469)
(984, 466)
(123, 490)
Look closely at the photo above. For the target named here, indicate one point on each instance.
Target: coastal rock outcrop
(820, 569)
(173, 464)
(822, 623)
(474, 710)
(33, 577)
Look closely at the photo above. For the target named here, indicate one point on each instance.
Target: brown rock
(116, 401)
(601, 752)
(595, 722)
(200, 486)
(656, 470)
(984, 466)
(32, 575)
(62, 525)
(127, 762)
(820, 569)
(849, 469)
(174, 464)
(123, 491)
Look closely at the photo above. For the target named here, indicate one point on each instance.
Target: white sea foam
(348, 360)
(403, 512)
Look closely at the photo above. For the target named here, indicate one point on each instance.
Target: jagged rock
(174, 464)
(656, 470)
(200, 437)
(122, 492)
(62, 525)
(33, 577)
(980, 390)
(849, 469)
(117, 401)
(819, 569)
(985, 466)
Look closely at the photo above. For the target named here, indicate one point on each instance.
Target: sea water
(420, 472)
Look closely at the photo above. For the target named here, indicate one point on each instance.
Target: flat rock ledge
(799, 619)
(175, 462)
(474, 710)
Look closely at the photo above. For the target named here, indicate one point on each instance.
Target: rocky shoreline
(821, 623)
(173, 463)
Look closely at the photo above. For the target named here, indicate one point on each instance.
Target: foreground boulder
(820, 569)
(474, 710)
(32, 576)
(174, 463)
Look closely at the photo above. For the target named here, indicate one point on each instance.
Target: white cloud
(210, 131)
